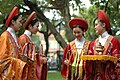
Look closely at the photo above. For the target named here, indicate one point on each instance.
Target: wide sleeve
(115, 48)
(10, 66)
(65, 56)
(90, 48)
(4, 47)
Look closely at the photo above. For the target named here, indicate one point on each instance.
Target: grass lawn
(54, 76)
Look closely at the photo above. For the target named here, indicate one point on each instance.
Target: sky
(50, 14)
(87, 3)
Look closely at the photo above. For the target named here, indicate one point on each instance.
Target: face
(35, 28)
(78, 33)
(18, 23)
(99, 27)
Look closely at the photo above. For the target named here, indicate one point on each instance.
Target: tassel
(77, 64)
(74, 66)
(80, 67)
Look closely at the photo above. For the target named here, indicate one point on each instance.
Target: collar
(11, 30)
(105, 34)
(103, 38)
(28, 33)
(82, 39)
(80, 43)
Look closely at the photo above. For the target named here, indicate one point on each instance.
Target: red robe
(103, 70)
(69, 53)
(39, 69)
(11, 67)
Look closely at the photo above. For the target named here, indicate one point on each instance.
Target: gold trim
(99, 57)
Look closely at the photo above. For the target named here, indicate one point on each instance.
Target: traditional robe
(103, 70)
(38, 68)
(11, 67)
(72, 52)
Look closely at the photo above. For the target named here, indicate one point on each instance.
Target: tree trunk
(66, 14)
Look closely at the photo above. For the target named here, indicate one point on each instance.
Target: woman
(39, 66)
(103, 70)
(72, 65)
(11, 67)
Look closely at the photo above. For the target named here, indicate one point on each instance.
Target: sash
(78, 63)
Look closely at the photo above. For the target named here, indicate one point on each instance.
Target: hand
(44, 60)
(66, 62)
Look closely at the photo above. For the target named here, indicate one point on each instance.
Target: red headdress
(78, 21)
(13, 13)
(102, 16)
(29, 19)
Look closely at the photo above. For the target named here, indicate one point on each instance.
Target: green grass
(54, 76)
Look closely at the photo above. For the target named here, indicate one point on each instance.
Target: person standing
(11, 66)
(72, 65)
(39, 66)
(99, 69)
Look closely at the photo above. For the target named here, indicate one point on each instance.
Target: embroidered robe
(75, 70)
(11, 67)
(103, 70)
(38, 68)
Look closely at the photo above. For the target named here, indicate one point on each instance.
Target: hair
(109, 32)
(78, 27)
(32, 23)
(14, 18)
(98, 20)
